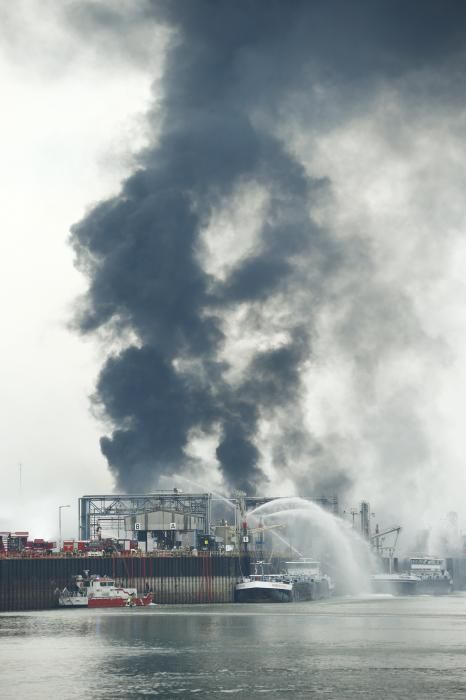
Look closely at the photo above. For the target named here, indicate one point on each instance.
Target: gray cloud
(233, 73)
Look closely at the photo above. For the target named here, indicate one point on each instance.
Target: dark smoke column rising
(235, 70)
(140, 251)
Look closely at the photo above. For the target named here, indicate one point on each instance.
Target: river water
(377, 647)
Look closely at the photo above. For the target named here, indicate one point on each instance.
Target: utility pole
(242, 526)
(59, 526)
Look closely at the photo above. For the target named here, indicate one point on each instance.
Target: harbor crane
(377, 540)
(262, 528)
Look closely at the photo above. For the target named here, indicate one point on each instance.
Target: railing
(156, 554)
(125, 554)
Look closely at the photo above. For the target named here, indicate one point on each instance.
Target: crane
(261, 528)
(378, 538)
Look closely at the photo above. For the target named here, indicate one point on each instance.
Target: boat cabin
(95, 582)
(303, 567)
(427, 564)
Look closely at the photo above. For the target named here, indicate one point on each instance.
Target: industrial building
(171, 519)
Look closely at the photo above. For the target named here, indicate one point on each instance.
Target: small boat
(100, 592)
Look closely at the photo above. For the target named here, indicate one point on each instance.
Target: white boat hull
(395, 584)
(275, 592)
(263, 592)
(72, 601)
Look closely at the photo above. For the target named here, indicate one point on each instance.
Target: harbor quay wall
(30, 584)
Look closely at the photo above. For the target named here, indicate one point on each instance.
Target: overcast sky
(375, 326)
(72, 115)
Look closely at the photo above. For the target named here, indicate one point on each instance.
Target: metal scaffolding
(111, 510)
(98, 509)
(330, 504)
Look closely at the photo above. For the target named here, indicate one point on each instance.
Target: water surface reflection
(348, 648)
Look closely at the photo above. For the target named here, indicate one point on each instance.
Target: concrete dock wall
(29, 584)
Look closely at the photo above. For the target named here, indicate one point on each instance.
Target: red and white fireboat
(100, 592)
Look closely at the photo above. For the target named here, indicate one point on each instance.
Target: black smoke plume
(235, 69)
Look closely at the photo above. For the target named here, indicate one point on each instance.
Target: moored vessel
(302, 580)
(426, 576)
(434, 578)
(260, 587)
(308, 581)
(395, 584)
(100, 592)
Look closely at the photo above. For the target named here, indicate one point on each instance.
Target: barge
(302, 581)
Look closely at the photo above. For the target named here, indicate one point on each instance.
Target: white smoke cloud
(389, 371)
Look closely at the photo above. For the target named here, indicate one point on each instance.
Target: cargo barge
(301, 581)
(425, 576)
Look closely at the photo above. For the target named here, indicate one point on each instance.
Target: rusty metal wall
(29, 584)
